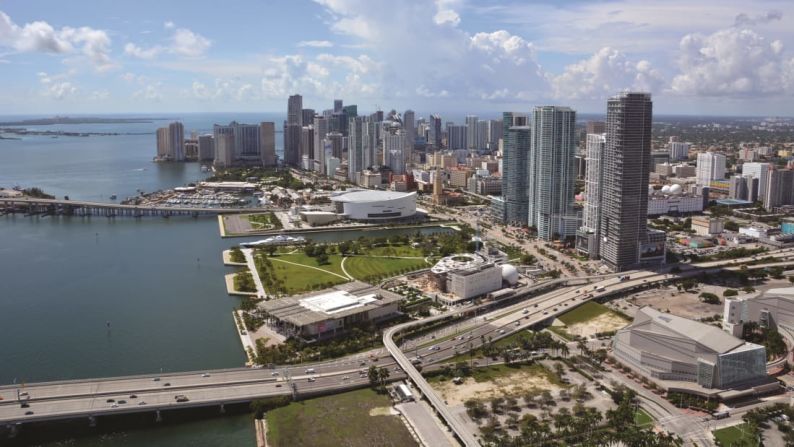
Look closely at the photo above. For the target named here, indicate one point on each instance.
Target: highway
(523, 315)
(89, 398)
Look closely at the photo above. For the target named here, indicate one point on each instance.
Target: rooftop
(368, 195)
(706, 335)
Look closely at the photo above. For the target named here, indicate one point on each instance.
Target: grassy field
(338, 420)
(642, 418)
(733, 436)
(583, 313)
(266, 221)
(361, 267)
(298, 278)
(395, 250)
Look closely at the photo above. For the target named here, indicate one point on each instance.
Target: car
(122, 402)
(555, 309)
(28, 413)
(346, 378)
(278, 385)
(312, 379)
(205, 375)
(24, 405)
(501, 331)
(156, 379)
(167, 384)
(536, 305)
(362, 364)
(310, 371)
(545, 312)
(181, 398)
(133, 396)
(110, 401)
(526, 311)
(274, 373)
(518, 323)
(114, 406)
(23, 394)
(143, 402)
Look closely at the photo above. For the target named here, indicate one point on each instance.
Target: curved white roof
(369, 195)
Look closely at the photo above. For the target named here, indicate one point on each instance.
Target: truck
(721, 414)
(624, 278)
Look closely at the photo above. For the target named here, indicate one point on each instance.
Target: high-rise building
(456, 137)
(394, 151)
(206, 148)
(337, 144)
(435, 131)
(355, 149)
(759, 171)
(588, 237)
(779, 188)
(482, 134)
(550, 187)
(338, 105)
(494, 135)
(307, 117)
(515, 164)
(171, 142)
(307, 142)
(710, 166)
(595, 127)
(409, 126)
(320, 131)
(678, 149)
(370, 147)
(295, 110)
(267, 144)
(625, 241)
(471, 133)
(224, 149)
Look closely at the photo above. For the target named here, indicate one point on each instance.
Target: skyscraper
(678, 149)
(176, 136)
(456, 136)
(710, 166)
(515, 168)
(409, 125)
(206, 150)
(267, 143)
(320, 131)
(779, 188)
(550, 187)
(292, 130)
(759, 171)
(355, 149)
(471, 132)
(588, 236)
(625, 241)
(434, 134)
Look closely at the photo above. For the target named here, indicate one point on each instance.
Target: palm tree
(564, 350)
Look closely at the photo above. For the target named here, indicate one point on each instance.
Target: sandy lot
(602, 323)
(514, 384)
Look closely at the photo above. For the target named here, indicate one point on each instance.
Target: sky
(709, 57)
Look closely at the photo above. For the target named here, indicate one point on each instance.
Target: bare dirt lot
(603, 323)
(514, 384)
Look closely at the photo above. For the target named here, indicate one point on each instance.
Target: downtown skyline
(729, 58)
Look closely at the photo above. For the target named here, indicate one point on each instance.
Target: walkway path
(342, 266)
(311, 267)
(249, 260)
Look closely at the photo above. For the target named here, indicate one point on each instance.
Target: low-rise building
(465, 276)
(773, 308)
(331, 312)
(707, 226)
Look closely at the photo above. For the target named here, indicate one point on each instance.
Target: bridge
(155, 393)
(33, 206)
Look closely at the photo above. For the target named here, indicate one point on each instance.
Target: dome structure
(666, 189)
(509, 274)
(676, 189)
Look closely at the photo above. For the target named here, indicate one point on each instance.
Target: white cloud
(40, 36)
(736, 61)
(168, 25)
(150, 92)
(445, 14)
(315, 44)
(183, 42)
(603, 74)
(188, 43)
(57, 86)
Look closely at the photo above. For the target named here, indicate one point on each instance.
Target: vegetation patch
(266, 221)
(584, 313)
(735, 435)
(341, 419)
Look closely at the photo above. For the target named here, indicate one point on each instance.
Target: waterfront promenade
(33, 206)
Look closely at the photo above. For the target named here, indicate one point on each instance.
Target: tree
(322, 258)
(373, 376)
(270, 249)
(236, 255)
(709, 298)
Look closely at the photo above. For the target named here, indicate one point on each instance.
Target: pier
(54, 207)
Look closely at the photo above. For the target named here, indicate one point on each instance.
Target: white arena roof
(336, 301)
(369, 195)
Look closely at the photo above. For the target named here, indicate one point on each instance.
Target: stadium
(372, 205)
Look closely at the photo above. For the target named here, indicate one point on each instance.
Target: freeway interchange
(154, 393)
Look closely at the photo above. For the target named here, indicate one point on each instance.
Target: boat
(205, 168)
(113, 197)
(275, 240)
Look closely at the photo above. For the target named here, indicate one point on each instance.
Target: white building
(466, 275)
(679, 150)
(710, 166)
(759, 171)
(366, 205)
(672, 201)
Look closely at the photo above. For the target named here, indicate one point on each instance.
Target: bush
(709, 298)
(730, 292)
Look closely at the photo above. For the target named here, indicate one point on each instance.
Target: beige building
(707, 226)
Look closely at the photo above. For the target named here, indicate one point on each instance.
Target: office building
(320, 131)
(394, 151)
(710, 166)
(666, 347)
(625, 240)
(409, 126)
(707, 226)
(224, 149)
(434, 131)
(295, 110)
(551, 180)
(250, 144)
(293, 131)
(595, 127)
(588, 239)
(456, 137)
(355, 149)
(267, 141)
(515, 164)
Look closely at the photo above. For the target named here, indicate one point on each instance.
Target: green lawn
(733, 435)
(561, 332)
(298, 278)
(585, 312)
(265, 221)
(642, 418)
(361, 267)
(395, 250)
(334, 262)
(338, 420)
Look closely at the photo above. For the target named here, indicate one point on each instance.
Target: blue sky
(695, 56)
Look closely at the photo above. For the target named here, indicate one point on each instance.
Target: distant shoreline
(82, 120)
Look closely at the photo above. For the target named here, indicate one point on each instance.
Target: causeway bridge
(55, 207)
